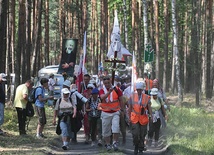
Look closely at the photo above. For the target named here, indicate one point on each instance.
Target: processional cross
(114, 59)
(116, 49)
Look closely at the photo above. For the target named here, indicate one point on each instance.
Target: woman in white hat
(65, 109)
(158, 111)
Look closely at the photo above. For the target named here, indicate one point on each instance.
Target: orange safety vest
(148, 84)
(111, 105)
(136, 115)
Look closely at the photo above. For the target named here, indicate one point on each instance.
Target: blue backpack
(32, 98)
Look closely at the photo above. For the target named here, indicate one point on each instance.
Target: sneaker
(141, 149)
(93, 144)
(115, 146)
(1, 132)
(42, 135)
(100, 143)
(64, 147)
(38, 136)
(108, 147)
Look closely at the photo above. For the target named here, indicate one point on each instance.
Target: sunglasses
(89, 88)
(106, 78)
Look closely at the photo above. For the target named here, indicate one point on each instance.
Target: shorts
(41, 114)
(110, 123)
(66, 129)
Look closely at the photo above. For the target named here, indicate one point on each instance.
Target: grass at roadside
(190, 131)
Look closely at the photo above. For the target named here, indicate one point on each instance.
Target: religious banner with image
(68, 59)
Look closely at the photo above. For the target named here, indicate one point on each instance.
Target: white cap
(65, 91)
(3, 77)
(67, 83)
(140, 85)
(90, 85)
(154, 91)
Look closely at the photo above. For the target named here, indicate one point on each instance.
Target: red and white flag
(82, 69)
(134, 73)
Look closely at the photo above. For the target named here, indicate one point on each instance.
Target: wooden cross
(114, 61)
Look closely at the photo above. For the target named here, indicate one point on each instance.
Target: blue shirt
(40, 91)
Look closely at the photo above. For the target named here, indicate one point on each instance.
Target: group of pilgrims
(111, 110)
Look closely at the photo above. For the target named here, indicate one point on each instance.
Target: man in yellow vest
(139, 108)
(112, 108)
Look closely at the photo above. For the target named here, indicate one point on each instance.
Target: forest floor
(12, 143)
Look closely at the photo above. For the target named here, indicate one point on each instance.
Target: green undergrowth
(190, 131)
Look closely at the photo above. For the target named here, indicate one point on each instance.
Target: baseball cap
(65, 91)
(95, 91)
(90, 86)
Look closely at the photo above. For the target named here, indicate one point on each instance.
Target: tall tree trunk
(106, 37)
(209, 48)
(140, 42)
(133, 28)
(103, 24)
(3, 33)
(13, 30)
(166, 41)
(46, 40)
(195, 49)
(186, 50)
(37, 37)
(28, 6)
(157, 75)
(204, 53)
(176, 52)
(125, 25)
(21, 41)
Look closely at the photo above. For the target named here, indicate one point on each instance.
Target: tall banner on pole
(68, 59)
(82, 69)
(134, 73)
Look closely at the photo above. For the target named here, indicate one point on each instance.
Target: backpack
(32, 98)
(29, 110)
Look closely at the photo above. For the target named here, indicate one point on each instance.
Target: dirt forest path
(12, 143)
(54, 148)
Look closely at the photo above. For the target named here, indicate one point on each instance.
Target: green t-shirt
(19, 101)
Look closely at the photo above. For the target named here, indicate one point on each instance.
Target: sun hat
(140, 85)
(90, 86)
(67, 83)
(154, 91)
(3, 77)
(95, 91)
(65, 91)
